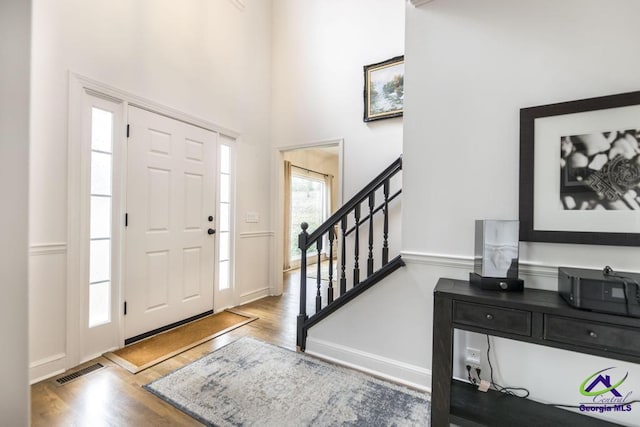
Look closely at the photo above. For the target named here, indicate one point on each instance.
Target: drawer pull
(505, 320)
(593, 334)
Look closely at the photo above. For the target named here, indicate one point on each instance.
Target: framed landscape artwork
(384, 89)
(580, 171)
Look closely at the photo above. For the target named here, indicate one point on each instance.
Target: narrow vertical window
(100, 228)
(225, 209)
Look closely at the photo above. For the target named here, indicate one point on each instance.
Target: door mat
(158, 348)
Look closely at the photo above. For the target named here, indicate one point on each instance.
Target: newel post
(302, 317)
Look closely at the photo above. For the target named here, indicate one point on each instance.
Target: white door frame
(78, 84)
(278, 209)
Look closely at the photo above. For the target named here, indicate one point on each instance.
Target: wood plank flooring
(112, 396)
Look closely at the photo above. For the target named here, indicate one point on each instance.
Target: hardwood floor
(112, 396)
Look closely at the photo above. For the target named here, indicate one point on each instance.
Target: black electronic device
(496, 283)
(604, 291)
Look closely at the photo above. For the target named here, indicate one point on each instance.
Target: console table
(535, 316)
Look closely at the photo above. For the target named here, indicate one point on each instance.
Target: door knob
(211, 231)
(210, 218)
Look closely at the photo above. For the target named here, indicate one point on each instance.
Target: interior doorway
(312, 191)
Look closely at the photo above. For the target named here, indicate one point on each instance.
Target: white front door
(170, 205)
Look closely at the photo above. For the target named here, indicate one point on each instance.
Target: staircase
(349, 220)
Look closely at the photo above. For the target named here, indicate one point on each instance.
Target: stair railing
(340, 219)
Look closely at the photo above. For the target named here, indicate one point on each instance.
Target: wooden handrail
(375, 211)
(355, 200)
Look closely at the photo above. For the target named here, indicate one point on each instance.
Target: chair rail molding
(439, 260)
(48, 248)
(527, 268)
(254, 234)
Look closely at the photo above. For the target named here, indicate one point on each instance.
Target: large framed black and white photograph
(384, 89)
(580, 171)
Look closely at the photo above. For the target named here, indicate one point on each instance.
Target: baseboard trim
(254, 295)
(392, 370)
(46, 360)
(46, 376)
(466, 263)
(47, 367)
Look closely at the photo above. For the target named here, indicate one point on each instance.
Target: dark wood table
(535, 316)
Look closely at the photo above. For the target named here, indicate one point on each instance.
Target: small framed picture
(384, 89)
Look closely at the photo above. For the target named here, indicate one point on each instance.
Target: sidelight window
(100, 229)
(225, 213)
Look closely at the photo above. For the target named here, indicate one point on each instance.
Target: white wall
(209, 59)
(320, 48)
(15, 46)
(470, 67)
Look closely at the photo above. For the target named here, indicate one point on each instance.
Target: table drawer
(595, 335)
(498, 319)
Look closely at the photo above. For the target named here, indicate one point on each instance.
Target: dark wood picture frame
(388, 100)
(528, 117)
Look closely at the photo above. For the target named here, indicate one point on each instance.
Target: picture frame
(384, 89)
(580, 171)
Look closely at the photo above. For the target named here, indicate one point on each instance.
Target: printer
(603, 291)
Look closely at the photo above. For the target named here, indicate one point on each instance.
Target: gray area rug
(251, 383)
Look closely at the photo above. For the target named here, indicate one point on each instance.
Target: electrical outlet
(473, 356)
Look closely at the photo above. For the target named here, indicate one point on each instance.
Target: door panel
(170, 194)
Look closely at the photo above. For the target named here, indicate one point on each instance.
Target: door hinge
(125, 308)
(126, 219)
(128, 129)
